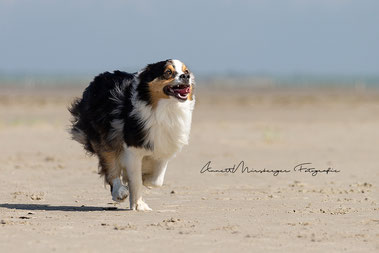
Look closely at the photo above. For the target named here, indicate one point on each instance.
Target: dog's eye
(186, 72)
(167, 73)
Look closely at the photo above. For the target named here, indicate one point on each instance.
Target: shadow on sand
(60, 208)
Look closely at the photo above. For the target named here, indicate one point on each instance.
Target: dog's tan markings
(156, 90)
(156, 86)
(170, 67)
(184, 68)
(108, 166)
(190, 97)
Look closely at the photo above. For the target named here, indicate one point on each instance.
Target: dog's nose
(184, 78)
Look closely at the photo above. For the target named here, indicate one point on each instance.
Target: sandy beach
(53, 200)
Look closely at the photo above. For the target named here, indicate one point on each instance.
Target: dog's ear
(152, 71)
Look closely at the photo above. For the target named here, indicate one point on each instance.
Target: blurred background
(279, 83)
(239, 42)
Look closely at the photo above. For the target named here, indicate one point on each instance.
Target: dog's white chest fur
(167, 126)
(171, 126)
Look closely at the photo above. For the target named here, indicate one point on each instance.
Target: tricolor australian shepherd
(135, 123)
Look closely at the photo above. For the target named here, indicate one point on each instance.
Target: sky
(211, 37)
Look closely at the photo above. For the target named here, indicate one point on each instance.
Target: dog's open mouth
(180, 91)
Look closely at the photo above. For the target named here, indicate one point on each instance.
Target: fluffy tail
(77, 128)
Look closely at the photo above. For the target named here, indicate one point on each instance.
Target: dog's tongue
(183, 91)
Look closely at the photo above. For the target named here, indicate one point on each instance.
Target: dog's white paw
(119, 194)
(140, 206)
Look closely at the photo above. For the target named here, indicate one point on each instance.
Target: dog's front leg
(133, 162)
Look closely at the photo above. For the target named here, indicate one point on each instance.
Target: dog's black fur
(94, 112)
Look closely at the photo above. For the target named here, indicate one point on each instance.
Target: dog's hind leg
(111, 170)
(153, 171)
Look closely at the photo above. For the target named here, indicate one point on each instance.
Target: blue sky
(212, 37)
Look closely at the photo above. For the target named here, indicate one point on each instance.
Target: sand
(52, 199)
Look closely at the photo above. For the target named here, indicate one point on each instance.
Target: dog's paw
(120, 194)
(140, 206)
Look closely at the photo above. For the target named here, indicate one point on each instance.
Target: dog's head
(164, 80)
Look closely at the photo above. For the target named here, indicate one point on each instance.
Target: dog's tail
(77, 128)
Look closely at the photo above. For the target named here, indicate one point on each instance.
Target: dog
(135, 123)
